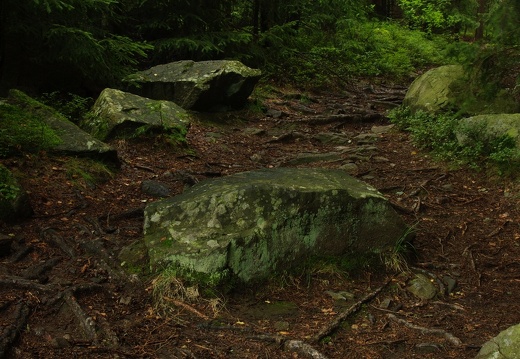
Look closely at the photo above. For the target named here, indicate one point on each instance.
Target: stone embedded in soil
(422, 287)
(250, 225)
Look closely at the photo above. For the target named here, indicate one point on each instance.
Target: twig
(343, 315)
(189, 308)
(497, 230)
(450, 337)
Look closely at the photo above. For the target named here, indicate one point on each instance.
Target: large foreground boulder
(505, 345)
(248, 226)
(435, 90)
(118, 114)
(202, 86)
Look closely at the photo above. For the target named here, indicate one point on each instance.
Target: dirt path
(64, 291)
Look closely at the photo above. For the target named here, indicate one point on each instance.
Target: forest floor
(64, 293)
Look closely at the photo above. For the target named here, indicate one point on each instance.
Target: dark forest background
(83, 46)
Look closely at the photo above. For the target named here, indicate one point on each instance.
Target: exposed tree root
(50, 235)
(86, 323)
(10, 332)
(38, 271)
(449, 337)
(343, 315)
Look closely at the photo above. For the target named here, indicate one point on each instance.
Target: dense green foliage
(90, 44)
(438, 134)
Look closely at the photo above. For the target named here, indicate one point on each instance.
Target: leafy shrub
(70, 105)
(437, 133)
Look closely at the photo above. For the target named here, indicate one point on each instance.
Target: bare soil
(64, 293)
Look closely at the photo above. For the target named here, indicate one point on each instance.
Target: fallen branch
(343, 315)
(189, 308)
(449, 337)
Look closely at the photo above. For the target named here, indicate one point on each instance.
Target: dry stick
(450, 337)
(343, 315)
(189, 308)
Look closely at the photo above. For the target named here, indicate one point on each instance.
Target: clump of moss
(23, 131)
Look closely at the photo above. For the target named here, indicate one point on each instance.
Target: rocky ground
(64, 292)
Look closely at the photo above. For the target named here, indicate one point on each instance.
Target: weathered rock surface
(504, 346)
(489, 127)
(118, 114)
(202, 86)
(73, 140)
(422, 287)
(14, 201)
(249, 225)
(434, 90)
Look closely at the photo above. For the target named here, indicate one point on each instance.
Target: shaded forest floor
(64, 290)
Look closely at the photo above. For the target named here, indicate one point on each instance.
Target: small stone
(380, 159)
(385, 304)
(351, 168)
(282, 326)
(60, 342)
(155, 189)
(450, 283)
(382, 129)
(422, 287)
(274, 113)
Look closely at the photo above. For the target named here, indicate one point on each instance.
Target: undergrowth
(357, 48)
(448, 140)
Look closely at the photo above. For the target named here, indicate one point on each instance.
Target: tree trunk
(479, 32)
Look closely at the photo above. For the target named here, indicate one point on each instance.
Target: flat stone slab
(248, 226)
(201, 86)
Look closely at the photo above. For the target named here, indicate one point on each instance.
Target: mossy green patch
(22, 129)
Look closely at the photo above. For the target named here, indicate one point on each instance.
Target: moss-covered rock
(489, 127)
(436, 90)
(120, 114)
(56, 134)
(505, 345)
(202, 86)
(251, 225)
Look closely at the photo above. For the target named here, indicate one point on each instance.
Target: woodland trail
(65, 294)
